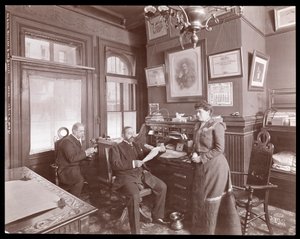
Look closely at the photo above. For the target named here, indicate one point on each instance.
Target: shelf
(285, 175)
(279, 128)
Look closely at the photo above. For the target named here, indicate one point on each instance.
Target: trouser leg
(77, 188)
(133, 199)
(160, 191)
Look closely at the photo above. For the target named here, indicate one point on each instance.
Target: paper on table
(172, 154)
(25, 198)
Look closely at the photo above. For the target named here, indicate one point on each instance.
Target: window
(38, 47)
(121, 104)
(51, 107)
(120, 91)
(55, 95)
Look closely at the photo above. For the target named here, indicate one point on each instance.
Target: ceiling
(130, 17)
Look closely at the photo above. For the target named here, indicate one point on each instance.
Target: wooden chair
(106, 174)
(62, 132)
(256, 190)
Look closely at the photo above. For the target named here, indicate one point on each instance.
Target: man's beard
(131, 139)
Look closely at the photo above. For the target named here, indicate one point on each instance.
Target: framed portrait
(226, 64)
(186, 74)
(156, 28)
(155, 75)
(258, 71)
(285, 17)
(153, 107)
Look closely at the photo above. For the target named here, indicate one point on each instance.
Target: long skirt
(213, 204)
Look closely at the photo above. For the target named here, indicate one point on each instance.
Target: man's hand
(138, 163)
(90, 151)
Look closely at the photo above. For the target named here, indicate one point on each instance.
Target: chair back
(62, 132)
(104, 166)
(60, 137)
(261, 159)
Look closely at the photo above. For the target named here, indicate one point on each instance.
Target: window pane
(130, 119)
(37, 48)
(113, 96)
(51, 50)
(114, 124)
(117, 65)
(129, 97)
(65, 54)
(51, 108)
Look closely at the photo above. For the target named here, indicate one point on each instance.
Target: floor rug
(110, 207)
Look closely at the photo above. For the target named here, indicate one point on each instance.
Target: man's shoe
(161, 221)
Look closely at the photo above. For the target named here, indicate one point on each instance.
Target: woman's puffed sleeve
(218, 144)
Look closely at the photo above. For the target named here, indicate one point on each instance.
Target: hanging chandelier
(189, 19)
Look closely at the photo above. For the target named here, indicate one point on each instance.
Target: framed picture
(226, 64)
(285, 17)
(156, 28)
(186, 74)
(258, 71)
(155, 75)
(153, 107)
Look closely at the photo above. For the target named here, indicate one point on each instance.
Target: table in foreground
(72, 218)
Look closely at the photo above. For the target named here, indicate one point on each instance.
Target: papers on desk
(172, 154)
(25, 198)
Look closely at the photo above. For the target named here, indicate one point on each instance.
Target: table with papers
(35, 205)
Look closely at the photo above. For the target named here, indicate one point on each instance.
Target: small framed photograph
(153, 107)
(155, 76)
(226, 64)
(258, 71)
(285, 17)
(156, 28)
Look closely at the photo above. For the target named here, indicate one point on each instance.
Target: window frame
(125, 55)
(19, 150)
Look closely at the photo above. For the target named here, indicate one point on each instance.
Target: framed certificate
(155, 76)
(226, 64)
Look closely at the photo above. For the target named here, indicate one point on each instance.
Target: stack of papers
(25, 198)
(173, 154)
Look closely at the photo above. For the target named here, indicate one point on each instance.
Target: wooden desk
(178, 176)
(73, 218)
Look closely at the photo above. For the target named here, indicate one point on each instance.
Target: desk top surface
(43, 222)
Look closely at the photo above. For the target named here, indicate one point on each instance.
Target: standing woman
(213, 204)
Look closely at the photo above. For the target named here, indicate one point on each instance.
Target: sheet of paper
(172, 154)
(25, 198)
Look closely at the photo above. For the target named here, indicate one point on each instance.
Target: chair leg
(145, 217)
(247, 218)
(268, 218)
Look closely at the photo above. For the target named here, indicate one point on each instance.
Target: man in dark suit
(127, 159)
(70, 154)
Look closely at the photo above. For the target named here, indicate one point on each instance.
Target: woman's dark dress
(213, 204)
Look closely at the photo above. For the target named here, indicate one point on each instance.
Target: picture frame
(285, 17)
(156, 28)
(186, 74)
(259, 67)
(226, 64)
(153, 107)
(155, 75)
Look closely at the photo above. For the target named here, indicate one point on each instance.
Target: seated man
(70, 154)
(127, 159)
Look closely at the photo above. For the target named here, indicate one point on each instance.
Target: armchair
(256, 190)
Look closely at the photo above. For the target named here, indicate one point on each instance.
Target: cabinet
(283, 137)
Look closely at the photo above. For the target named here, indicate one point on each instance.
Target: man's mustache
(131, 139)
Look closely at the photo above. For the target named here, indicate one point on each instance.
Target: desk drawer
(182, 178)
